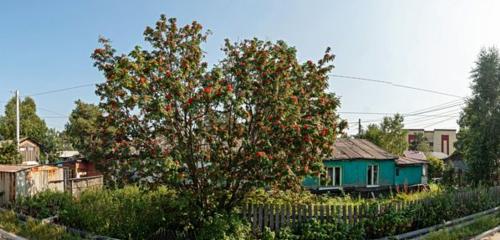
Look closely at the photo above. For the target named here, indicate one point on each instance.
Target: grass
(261, 196)
(481, 225)
(32, 229)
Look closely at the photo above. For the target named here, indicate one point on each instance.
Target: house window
(335, 176)
(397, 172)
(445, 144)
(411, 138)
(372, 175)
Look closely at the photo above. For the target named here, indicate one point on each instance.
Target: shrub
(33, 229)
(436, 167)
(128, 213)
(316, 230)
(44, 204)
(225, 227)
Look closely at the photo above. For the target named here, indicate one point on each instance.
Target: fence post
(271, 216)
(327, 213)
(355, 214)
(279, 213)
(310, 214)
(344, 214)
(261, 217)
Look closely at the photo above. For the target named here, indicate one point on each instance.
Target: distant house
(78, 167)
(457, 162)
(357, 164)
(68, 155)
(440, 140)
(29, 150)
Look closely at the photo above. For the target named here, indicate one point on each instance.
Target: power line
(54, 116)
(439, 107)
(50, 111)
(453, 111)
(432, 124)
(395, 85)
(61, 90)
(389, 113)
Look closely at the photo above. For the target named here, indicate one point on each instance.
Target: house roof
(415, 154)
(409, 161)
(455, 156)
(68, 154)
(21, 140)
(439, 155)
(344, 149)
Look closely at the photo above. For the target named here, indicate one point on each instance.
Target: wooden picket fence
(278, 216)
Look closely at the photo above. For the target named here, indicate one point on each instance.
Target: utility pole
(360, 129)
(17, 119)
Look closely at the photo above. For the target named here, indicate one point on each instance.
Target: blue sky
(46, 45)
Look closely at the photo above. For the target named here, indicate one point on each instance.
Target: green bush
(33, 229)
(225, 227)
(432, 211)
(128, 213)
(316, 230)
(132, 213)
(44, 204)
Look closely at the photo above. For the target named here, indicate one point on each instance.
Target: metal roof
(345, 149)
(414, 154)
(439, 155)
(409, 161)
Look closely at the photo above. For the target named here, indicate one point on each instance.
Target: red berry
(261, 154)
(207, 90)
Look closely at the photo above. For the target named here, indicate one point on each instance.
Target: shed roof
(14, 168)
(344, 149)
(409, 161)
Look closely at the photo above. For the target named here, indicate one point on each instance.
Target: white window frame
(374, 182)
(332, 184)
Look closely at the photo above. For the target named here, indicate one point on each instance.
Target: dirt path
(496, 236)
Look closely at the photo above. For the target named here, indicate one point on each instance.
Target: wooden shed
(22, 181)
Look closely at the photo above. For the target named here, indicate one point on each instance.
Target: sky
(46, 45)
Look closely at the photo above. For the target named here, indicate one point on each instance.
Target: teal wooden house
(358, 164)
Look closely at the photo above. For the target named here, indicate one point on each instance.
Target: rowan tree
(258, 118)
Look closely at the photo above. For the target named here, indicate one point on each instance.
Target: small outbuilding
(410, 171)
(25, 180)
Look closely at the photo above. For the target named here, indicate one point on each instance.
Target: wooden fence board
(276, 217)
